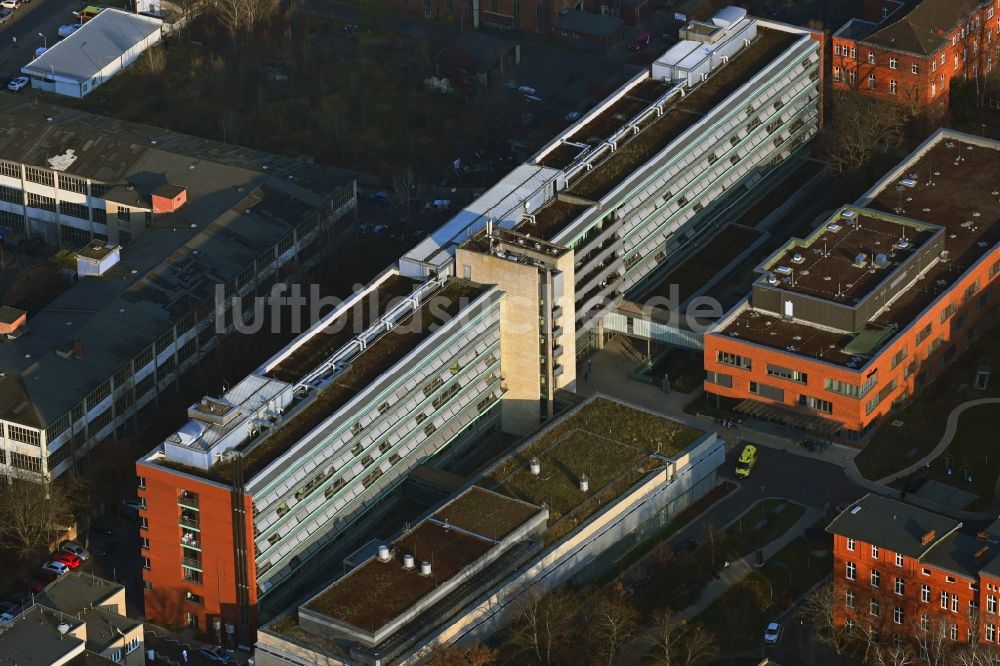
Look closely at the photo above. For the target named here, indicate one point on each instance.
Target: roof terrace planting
(657, 133)
(613, 444)
(307, 413)
(339, 332)
(377, 592)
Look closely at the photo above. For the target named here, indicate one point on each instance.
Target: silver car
(74, 548)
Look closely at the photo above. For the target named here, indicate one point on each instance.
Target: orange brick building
(904, 574)
(911, 55)
(847, 323)
(194, 542)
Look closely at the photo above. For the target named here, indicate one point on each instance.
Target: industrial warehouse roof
(925, 28)
(99, 42)
(235, 210)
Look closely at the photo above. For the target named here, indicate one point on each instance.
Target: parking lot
(19, 36)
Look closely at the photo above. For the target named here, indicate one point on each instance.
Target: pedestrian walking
(590, 364)
(184, 656)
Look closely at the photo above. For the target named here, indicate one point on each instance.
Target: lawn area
(974, 450)
(677, 582)
(739, 616)
(892, 448)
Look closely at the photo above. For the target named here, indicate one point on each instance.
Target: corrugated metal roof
(98, 43)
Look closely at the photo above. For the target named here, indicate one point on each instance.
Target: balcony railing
(188, 500)
(192, 523)
(191, 563)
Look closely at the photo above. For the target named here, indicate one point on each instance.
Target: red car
(69, 559)
(640, 42)
(37, 582)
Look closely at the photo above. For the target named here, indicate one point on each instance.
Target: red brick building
(195, 543)
(912, 55)
(843, 325)
(905, 574)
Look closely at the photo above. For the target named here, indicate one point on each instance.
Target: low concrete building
(78, 619)
(598, 481)
(105, 45)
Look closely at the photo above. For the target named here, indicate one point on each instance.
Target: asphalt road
(38, 16)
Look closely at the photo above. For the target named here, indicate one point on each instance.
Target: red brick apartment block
(902, 573)
(910, 54)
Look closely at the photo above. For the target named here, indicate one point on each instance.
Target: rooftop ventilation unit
(783, 270)
(927, 538)
(772, 279)
(849, 215)
(855, 509)
(584, 483)
(861, 260)
(407, 561)
(833, 227)
(797, 258)
(383, 553)
(881, 260)
(908, 182)
(535, 467)
(425, 568)
(903, 245)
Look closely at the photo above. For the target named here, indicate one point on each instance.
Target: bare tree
(666, 635)
(678, 643)
(240, 17)
(862, 127)
(935, 648)
(543, 620)
(407, 189)
(899, 654)
(819, 609)
(32, 508)
(699, 644)
(613, 622)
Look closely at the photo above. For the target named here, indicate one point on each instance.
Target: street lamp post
(45, 41)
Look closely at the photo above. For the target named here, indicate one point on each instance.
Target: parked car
(17, 83)
(380, 196)
(748, 458)
(67, 30)
(40, 50)
(9, 607)
(58, 568)
(572, 115)
(74, 548)
(69, 559)
(6, 618)
(439, 204)
(640, 42)
(773, 633)
(10, 4)
(5, 15)
(216, 654)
